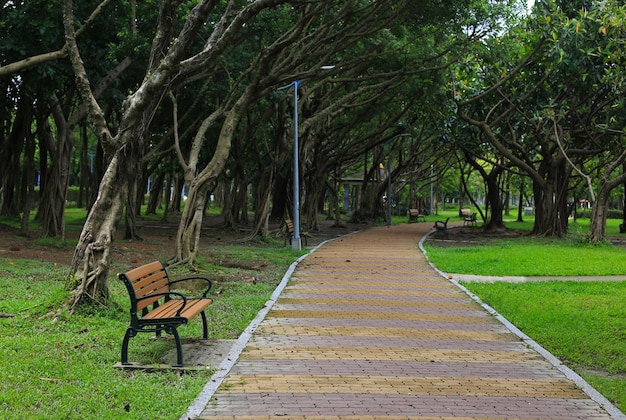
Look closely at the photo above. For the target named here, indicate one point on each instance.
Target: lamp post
(296, 241)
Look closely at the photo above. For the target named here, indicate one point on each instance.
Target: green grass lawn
(526, 256)
(57, 365)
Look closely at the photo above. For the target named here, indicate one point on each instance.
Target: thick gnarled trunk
(551, 215)
(92, 256)
(188, 236)
(189, 229)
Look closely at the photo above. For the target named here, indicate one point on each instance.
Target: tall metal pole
(296, 243)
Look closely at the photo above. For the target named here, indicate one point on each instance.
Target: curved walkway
(365, 328)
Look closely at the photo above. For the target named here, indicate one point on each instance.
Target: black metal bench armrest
(206, 292)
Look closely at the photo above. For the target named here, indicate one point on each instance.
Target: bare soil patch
(470, 236)
(157, 241)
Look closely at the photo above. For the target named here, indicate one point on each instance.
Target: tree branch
(82, 81)
(53, 55)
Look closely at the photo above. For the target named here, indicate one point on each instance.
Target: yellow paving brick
(345, 331)
(466, 305)
(399, 316)
(350, 281)
(403, 385)
(275, 352)
(373, 292)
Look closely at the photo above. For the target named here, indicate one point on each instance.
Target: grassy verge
(581, 323)
(525, 256)
(53, 365)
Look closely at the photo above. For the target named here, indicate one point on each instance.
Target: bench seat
(169, 309)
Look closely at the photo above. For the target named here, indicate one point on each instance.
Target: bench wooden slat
(151, 284)
(157, 287)
(169, 309)
(149, 279)
(140, 272)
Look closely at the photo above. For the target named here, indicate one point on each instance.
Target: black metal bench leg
(179, 348)
(205, 328)
(129, 333)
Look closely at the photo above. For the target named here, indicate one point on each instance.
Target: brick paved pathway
(367, 329)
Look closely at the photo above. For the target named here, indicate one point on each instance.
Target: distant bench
(470, 220)
(290, 233)
(465, 213)
(150, 285)
(415, 216)
(441, 226)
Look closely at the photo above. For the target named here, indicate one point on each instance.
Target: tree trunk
(188, 235)
(10, 151)
(156, 193)
(29, 183)
(494, 200)
(179, 184)
(262, 200)
(551, 215)
(92, 256)
(520, 204)
(133, 205)
(268, 184)
(54, 195)
(279, 198)
(597, 222)
(599, 211)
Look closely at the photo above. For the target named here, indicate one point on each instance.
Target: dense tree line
(129, 94)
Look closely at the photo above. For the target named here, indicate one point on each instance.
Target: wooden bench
(415, 216)
(150, 285)
(290, 233)
(441, 226)
(470, 220)
(465, 212)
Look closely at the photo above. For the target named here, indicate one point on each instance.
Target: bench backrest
(289, 225)
(145, 280)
